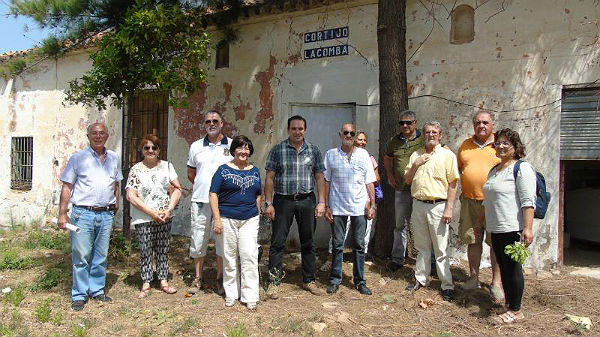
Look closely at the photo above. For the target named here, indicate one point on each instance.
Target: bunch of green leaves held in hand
(517, 252)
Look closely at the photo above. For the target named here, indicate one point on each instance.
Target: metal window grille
(21, 163)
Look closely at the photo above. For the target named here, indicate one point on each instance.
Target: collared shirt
(348, 180)
(400, 149)
(206, 157)
(93, 180)
(474, 163)
(294, 169)
(432, 178)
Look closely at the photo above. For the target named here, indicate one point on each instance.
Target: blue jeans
(89, 248)
(358, 226)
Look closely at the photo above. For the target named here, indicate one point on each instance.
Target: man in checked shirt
(294, 167)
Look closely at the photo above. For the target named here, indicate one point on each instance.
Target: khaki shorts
(202, 232)
(469, 212)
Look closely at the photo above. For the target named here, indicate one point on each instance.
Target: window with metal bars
(21, 163)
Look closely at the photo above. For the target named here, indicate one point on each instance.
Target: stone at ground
(586, 271)
(583, 321)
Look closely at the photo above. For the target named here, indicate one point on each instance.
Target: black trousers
(511, 272)
(285, 212)
(153, 241)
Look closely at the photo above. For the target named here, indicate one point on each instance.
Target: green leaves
(157, 46)
(517, 252)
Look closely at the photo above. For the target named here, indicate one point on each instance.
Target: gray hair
(213, 112)
(435, 124)
(408, 113)
(480, 112)
(89, 128)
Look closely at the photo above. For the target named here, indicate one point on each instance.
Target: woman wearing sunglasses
(509, 201)
(148, 187)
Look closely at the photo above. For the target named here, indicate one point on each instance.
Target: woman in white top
(509, 206)
(148, 187)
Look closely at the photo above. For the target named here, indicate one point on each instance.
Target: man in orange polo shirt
(476, 157)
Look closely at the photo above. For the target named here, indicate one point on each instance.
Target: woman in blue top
(235, 203)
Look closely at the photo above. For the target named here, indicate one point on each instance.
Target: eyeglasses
(405, 122)
(98, 133)
(352, 133)
(504, 143)
(213, 121)
(153, 147)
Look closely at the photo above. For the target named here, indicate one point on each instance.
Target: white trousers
(429, 232)
(240, 281)
(368, 235)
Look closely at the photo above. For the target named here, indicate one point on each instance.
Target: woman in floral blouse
(148, 187)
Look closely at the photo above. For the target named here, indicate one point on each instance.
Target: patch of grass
(121, 247)
(162, 316)
(45, 239)
(58, 319)
(6, 331)
(11, 260)
(239, 330)
(441, 334)
(182, 328)
(16, 296)
(291, 325)
(47, 281)
(17, 325)
(43, 311)
(130, 312)
(80, 329)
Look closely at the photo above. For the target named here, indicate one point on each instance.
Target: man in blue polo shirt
(91, 184)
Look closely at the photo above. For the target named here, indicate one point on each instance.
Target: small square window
(222, 55)
(21, 163)
(462, 28)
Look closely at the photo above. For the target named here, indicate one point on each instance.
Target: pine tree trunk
(391, 39)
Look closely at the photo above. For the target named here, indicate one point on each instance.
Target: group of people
(497, 203)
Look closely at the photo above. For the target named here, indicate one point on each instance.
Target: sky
(13, 34)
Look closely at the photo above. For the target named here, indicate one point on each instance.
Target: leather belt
(431, 201)
(110, 207)
(297, 196)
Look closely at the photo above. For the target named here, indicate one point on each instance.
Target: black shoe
(77, 305)
(393, 266)
(368, 257)
(448, 295)
(363, 289)
(332, 288)
(414, 287)
(102, 298)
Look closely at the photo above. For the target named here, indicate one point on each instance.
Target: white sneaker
(326, 266)
(471, 284)
(229, 302)
(251, 306)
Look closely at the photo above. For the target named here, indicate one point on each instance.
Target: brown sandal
(168, 289)
(144, 293)
(508, 317)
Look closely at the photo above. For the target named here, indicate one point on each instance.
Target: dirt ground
(549, 296)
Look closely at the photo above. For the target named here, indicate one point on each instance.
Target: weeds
(239, 330)
(58, 319)
(183, 327)
(43, 311)
(47, 281)
(16, 324)
(48, 240)
(16, 296)
(441, 334)
(11, 261)
(121, 247)
(80, 329)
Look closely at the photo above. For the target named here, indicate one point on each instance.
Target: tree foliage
(160, 47)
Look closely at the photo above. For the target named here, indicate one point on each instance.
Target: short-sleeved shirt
(348, 179)
(93, 180)
(237, 191)
(474, 163)
(152, 185)
(206, 157)
(431, 179)
(294, 169)
(505, 197)
(400, 149)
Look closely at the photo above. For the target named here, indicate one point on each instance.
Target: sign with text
(327, 34)
(317, 53)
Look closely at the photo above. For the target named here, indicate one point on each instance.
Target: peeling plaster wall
(31, 105)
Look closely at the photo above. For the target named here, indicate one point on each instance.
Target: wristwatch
(267, 204)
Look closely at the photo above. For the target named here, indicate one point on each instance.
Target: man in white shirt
(349, 190)
(91, 184)
(206, 155)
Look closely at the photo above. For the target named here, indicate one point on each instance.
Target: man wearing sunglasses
(91, 184)
(349, 191)
(206, 155)
(399, 149)
(476, 157)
